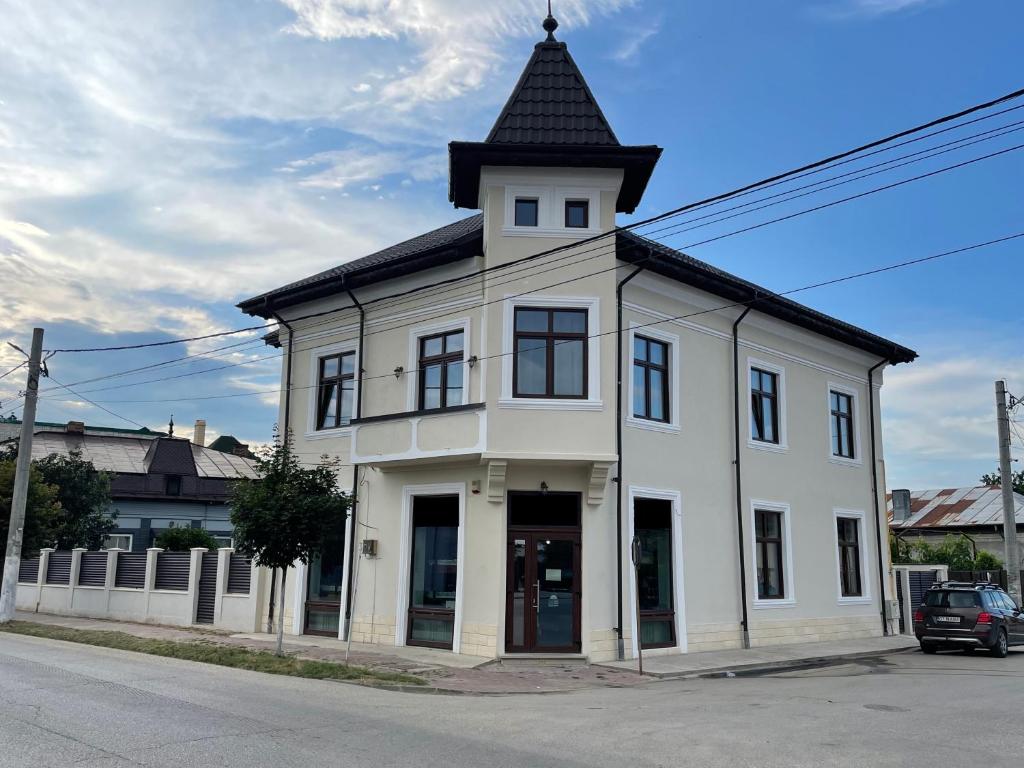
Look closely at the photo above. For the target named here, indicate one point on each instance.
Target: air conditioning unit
(369, 547)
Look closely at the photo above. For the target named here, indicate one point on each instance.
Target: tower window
(526, 211)
(577, 214)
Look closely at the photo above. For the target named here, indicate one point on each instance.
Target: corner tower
(552, 150)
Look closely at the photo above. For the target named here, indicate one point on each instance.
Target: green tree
(183, 539)
(86, 518)
(287, 513)
(986, 561)
(993, 480)
(42, 509)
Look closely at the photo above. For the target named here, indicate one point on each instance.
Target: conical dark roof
(552, 104)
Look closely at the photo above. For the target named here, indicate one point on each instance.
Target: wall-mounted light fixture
(543, 488)
(472, 361)
(399, 370)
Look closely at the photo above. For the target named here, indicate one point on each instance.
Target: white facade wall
(510, 444)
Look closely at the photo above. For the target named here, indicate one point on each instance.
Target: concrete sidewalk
(446, 672)
(775, 657)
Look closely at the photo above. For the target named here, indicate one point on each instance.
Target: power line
(102, 408)
(668, 214)
(570, 280)
(169, 342)
(18, 367)
(767, 294)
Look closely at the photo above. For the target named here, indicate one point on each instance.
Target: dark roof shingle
(552, 104)
(449, 235)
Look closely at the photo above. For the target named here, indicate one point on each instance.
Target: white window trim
(672, 340)
(405, 557)
(551, 210)
(593, 401)
(312, 433)
(844, 389)
(865, 576)
(787, 553)
(129, 536)
(783, 445)
(678, 594)
(412, 373)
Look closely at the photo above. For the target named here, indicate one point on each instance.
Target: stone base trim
(479, 640)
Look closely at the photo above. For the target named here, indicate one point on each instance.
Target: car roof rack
(965, 585)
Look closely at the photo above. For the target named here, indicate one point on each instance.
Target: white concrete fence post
(111, 578)
(76, 567)
(195, 567)
(223, 569)
(150, 584)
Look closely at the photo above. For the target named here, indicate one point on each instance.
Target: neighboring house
(501, 473)
(159, 481)
(975, 512)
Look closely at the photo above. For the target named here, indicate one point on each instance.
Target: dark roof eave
(265, 305)
(466, 158)
(694, 272)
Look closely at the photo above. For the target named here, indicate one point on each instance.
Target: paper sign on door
(552, 574)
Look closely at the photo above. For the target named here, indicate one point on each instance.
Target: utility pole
(1006, 484)
(12, 562)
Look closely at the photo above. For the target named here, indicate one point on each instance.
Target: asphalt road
(66, 704)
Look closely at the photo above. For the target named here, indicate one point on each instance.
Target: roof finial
(550, 25)
(170, 427)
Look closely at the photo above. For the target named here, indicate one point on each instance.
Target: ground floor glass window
(434, 570)
(323, 589)
(653, 527)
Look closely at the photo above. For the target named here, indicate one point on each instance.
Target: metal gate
(920, 583)
(207, 589)
(899, 598)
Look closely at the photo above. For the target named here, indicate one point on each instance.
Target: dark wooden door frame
(530, 576)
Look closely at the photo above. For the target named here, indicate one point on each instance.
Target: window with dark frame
(577, 214)
(441, 370)
(848, 537)
(842, 424)
(433, 571)
(172, 485)
(550, 357)
(335, 390)
(526, 211)
(764, 406)
(653, 527)
(650, 379)
(768, 543)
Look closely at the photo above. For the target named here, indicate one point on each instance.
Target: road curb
(751, 670)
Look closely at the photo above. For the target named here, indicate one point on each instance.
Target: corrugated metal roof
(127, 455)
(957, 507)
(552, 104)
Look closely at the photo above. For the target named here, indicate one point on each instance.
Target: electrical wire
(102, 408)
(667, 214)
(767, 294)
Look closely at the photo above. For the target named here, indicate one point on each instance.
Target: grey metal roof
(127, 455)
(552, 104)
(400, 252)
(957, 507)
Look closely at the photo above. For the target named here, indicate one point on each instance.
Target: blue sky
(160, 161)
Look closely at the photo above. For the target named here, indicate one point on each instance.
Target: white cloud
(870, 9)
(633, 41)
(939, 417)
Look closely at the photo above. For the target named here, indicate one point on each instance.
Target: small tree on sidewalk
(287, 513)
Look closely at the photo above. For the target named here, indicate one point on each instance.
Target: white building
(502, 470)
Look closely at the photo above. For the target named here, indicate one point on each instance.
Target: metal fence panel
(239, 575)
(172, 570)
(92, 569)
(131, 570)
(58, 569)
(28, 571)
(207, 603)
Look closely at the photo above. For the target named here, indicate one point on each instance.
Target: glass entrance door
(323, 590)
(543, 601)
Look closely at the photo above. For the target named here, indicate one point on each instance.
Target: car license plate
(948, 619)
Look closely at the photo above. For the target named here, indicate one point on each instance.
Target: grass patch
(212, 653)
